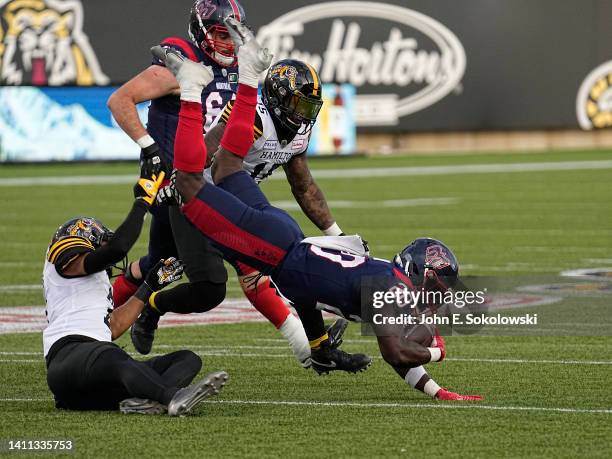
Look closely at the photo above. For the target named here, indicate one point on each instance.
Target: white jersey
(267, 153)
(76, 306)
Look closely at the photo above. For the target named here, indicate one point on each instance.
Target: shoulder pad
(181, 45)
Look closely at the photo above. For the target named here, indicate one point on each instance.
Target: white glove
(192, 77)
(253, 60)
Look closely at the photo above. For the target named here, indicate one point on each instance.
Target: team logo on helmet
(42, 43)
(436, 257)
(286, 72)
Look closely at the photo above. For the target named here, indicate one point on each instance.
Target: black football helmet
(292, 95)
(85, 227)
(206, 18)
(429, 264)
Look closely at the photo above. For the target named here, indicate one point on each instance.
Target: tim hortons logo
(42, 43)
(421, 57)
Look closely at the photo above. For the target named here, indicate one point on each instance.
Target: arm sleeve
(121, 242)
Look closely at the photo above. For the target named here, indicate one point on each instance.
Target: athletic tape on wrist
(145, 141)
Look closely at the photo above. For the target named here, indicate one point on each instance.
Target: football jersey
(76, 306)
(335, 281)
(164, 112)
(267, 152)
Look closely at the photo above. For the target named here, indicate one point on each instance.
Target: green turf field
(544, 396)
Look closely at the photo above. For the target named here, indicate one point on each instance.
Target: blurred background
(417, 76)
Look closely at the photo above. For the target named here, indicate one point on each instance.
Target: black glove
(152, 162)
(169, 195)
(152, 173)
(163, 273)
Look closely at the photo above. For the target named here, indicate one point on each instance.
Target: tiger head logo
(286, 72)
(42, 43)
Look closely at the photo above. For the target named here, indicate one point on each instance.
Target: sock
(189, 146)
(431, 388)
(294, 333)
(265, 299)
(123, 289)
(436, 354)
(316, 343)
(238, 135)
(414, 375)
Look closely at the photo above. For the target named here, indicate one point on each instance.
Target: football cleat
(327, 358)
(141, 406)
(444, 394)
(188, 397)
(143, 330)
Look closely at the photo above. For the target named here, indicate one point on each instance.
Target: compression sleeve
(120, 244)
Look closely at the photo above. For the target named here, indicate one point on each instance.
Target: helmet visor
(304, 108)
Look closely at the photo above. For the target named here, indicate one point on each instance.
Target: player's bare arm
(154, 82)
(307, 193)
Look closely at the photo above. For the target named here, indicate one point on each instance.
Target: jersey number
(344, 259)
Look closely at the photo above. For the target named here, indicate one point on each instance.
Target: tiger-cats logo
(42, 43)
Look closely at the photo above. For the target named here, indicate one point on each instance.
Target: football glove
(146, 188)
(253, 59)
(162, 274)
(151, 161)
(191, 76)
(169, 195)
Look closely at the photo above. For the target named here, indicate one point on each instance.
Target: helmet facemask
(299, 113)
(221, 51)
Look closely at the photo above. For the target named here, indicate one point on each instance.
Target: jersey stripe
(183, 45)
(72, 241)
(315, 79)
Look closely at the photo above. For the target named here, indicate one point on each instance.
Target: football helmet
(206, 21)
(292, 94)
(84, 227)
(429, 264)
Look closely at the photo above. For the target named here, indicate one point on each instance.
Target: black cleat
(327, 358)
(336, 332)
(143, 330)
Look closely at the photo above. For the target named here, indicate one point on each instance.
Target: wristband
(144, 292)
(333, 230)
(145, 141)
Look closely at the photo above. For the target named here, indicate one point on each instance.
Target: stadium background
(526, 216)
(428, 76)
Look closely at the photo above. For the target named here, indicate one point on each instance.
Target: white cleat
(185, 399)
(141, 406)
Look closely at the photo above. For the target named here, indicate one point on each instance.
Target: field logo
(42, 43)
(594, 100)
(417, 56)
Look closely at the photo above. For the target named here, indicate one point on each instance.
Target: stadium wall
(490, 74)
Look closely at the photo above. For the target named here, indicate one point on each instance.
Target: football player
(285, 115)
(237, 217)
(170, 234)
(85, 370)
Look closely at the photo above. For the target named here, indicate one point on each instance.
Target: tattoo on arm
(307, 193)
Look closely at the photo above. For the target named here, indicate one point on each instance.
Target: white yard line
(339, 173)
(226, 351)
(457, 406)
